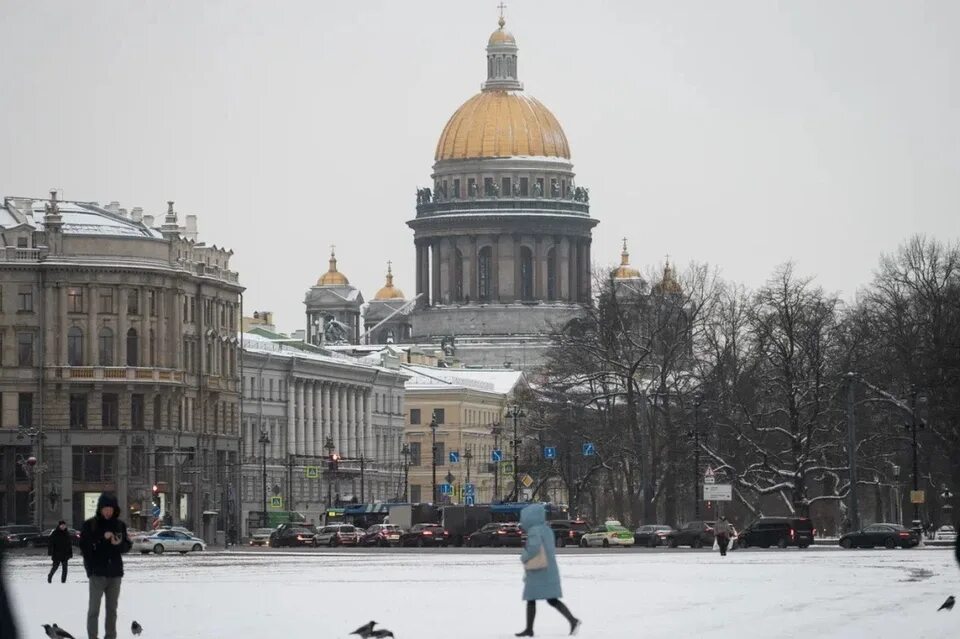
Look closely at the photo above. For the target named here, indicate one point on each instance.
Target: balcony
(14, 254)
(115, 374)
(508, 205)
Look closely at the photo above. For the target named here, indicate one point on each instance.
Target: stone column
(539, 270)
(178, 320)
(49, 338)
(446, 272)
(162, 361)
(123, 325)
(335, 415)
(344, 421)
(291, 417)
(317, 434)
(435, 297)
(368, 426)
(309, 431)
(517, 276)
(62, 308)
(92, 309)
(301, 417)
(419, 276)
(470, 270)
(587, 271)
(324, 415)
(144, 332)
(359, 423)
(574, 270)
(495, 268)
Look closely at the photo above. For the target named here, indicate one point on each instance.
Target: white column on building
(350, 414)
(317, 420)
(368, 425)
(309, 431)
(334, 397)
(343, 426)
(325, 414)
(301, 418)
(291, 417)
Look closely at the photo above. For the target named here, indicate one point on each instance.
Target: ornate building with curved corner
(503, 236)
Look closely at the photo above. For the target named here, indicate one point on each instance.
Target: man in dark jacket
(103, 540)
(60, 549)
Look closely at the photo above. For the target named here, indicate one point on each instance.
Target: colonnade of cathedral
(476, 268)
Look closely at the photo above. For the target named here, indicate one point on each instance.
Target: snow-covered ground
(618, 593)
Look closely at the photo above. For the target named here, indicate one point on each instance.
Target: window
(414, 453)
(1, 299)
(270, 396)
(74, 300)
(186, 309)
(133, 302)
(456, 189)
(25, 349)
(138, 459)
(78, 411)
(488, 186)
(485, 274)
(136, 410)
(106, 347)
(25, 409)
(439, 414)
(552, 273)
(110, 417)
(415, 494)
(133, 348)
(106, 300)
(157, 410)
(193, 309)
(23, 242)
(74, 346)
(524, 186)
(25, 299)
(441, 454)
(505, 187)
(94, 463)
(152, 349)
(526, 273)
(414, 415)
(152, 303)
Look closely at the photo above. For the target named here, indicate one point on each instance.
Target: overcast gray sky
(740, 133)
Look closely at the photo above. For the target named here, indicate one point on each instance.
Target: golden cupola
(333, 277)
(625, 271)
(669, 283)
(389, 291)
(500, 121)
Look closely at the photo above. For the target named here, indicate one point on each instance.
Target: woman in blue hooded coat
(541, 582)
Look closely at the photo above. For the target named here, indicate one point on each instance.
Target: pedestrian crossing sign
(311, 472)
(276, 502)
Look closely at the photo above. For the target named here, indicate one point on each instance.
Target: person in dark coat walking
(723, 530)
(541, 581)
(8, 628)
(60, 549)
(103, 540)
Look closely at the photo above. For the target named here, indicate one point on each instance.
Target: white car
(611, 533)
(168, 540)
(945, 533)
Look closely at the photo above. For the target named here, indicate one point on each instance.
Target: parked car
(338, 535)
(611, 533)
(164, 540)
(569, 531)
(945, 533)
(778, 531)
(261, 537)
(421, 535)
(381, 535)
(695, 534)
(652, 535)
(17, 535)
(293, 536)
(43, 539)
(185, 531)
(887, 535)
(497, 535)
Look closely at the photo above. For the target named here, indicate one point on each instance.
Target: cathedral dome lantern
(625, 271)
(668, 284)
(333, 277)
(389, 291)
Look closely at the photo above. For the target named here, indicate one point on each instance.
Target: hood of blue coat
(533, 515)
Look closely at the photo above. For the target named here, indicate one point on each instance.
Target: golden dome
(333, 277)
(625, 271)
(669, 283)
(501, 36)
(389, 291)
(502, 124)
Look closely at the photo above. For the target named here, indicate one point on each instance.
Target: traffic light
(156, 490)
(334, 461)
(156, 495)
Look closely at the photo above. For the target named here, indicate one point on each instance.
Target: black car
(777, 531)
(497, 535)
(569, 531)
(425, 535)
(43, 539)
(695, 534)
(381, 535)
(887, 535)
(652, 535)
(294, 536)
(17, 535)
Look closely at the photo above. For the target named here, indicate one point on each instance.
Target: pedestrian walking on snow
(541, 579)
(60, 549)
(723, 531)
(103, 540)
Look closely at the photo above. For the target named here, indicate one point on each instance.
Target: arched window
(153, 348)
(485, 274)
(526, 273)
(75, 346)
(106, 346)
(133, 348)
(457, 276)
(552, 274)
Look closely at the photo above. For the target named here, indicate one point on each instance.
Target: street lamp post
(405, 451)
(496, 430)
(34, 467)
(914, 425)
(329, 447)
(516, 413)
(264, 440)
(433, 453)
(468, 455)
(695, 436)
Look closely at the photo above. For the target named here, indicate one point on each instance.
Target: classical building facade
(503, 236)
(301, 405)
(120, 365)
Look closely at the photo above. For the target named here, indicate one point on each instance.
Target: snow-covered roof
(500, 381)
(290, 349)
(79, 218)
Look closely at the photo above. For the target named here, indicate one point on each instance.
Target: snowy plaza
(820, 592)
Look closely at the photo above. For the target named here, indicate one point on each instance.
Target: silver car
(172, 540)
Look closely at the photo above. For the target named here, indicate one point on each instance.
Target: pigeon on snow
(948, 604)
(56, 632)
(365, 631)
(136, 628)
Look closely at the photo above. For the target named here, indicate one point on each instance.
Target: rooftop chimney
(136, 214)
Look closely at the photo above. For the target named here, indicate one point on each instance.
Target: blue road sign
(549, 452)
(589, 449)
(446, 489)
(469, 500)
(469, 489)
(454, 457)
(156, 511)
(496, 455)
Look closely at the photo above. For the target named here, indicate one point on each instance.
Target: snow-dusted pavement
(817, 593)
